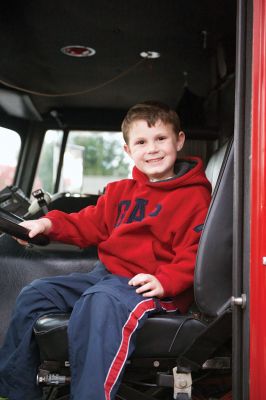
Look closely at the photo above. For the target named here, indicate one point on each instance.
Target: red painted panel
(258, 207)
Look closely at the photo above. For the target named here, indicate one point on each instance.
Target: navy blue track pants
(105, 315)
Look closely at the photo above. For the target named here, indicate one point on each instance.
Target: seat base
(142, 383)
(162, 336)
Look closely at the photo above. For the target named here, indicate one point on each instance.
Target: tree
(102, 157)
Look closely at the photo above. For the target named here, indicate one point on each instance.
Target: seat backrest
(213, 273)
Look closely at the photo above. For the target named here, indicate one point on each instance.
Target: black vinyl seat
(159, 337)
(171, 339)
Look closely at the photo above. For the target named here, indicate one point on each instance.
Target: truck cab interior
(69, 72)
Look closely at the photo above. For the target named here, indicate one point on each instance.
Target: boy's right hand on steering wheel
(35, 227)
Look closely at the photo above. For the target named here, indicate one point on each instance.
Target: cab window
(48, 162)
(93, 159)
(10, 145)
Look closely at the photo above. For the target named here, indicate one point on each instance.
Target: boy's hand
(35, 227)
(149, 286)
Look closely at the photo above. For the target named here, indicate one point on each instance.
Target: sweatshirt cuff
(169, 289)
(56, 226)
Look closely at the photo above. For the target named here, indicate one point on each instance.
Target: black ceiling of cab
(195, 40)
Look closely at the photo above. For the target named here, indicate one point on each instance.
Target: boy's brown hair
(151, 112)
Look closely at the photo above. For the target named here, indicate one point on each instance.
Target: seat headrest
(214, 164)
(213, 273)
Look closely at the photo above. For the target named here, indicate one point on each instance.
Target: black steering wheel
(9, 223)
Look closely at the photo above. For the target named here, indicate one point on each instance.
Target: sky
(9, 146)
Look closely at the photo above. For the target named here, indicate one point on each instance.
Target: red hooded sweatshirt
(145, 227)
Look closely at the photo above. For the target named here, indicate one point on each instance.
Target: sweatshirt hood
(188, 171)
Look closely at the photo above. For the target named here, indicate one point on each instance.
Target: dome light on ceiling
(78, 51)
(150, 54)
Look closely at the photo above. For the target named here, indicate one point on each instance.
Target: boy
(147, 231)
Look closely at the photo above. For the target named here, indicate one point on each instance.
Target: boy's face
(154, 149)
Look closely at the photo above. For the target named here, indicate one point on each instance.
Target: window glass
(10, 144)
(48, 162)
(92, 159)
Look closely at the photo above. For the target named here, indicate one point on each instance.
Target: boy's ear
(180, 140)
(127, 150)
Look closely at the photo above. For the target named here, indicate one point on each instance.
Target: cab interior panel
(77, 67)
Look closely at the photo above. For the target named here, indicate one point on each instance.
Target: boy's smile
(154, 149)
